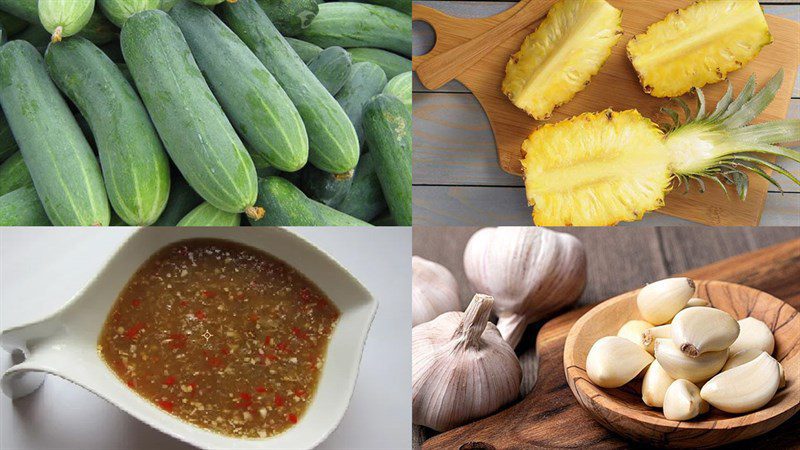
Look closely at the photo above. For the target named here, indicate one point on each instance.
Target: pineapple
(558, 59)
(603, 168)
(698, 45)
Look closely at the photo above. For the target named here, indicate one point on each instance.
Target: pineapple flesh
(558, 59)
(698, 45)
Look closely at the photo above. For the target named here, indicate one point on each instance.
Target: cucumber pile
(205, 113)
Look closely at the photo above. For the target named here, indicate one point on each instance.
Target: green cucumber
(255, 103)
(22, 208)
(11, 24)
(290, 17)
(305, 50)
(400, 87)
(392, 64)
(323, 187)
(333, 144)
(387, 127)
(384, 220)
(63, 18)
(286, 205)
(349, 24)
(366, 80)
(365, 199)
(118, 11)
(14, 174)
(208, 2)
(135, 166)
(167, 5)
(26, 10)
(206, 215)
(63, 167)
(37, 36)
(182, 199)
(3, 37)
(404, 6)
(332, 67)
(198, 137)
(7, 143)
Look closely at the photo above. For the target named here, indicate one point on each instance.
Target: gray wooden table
(457, 180)
(619, 260)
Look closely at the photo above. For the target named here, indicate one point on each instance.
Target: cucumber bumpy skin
(392, 64)
(22, 208)
(206, 215)
(64, 18)
(366, 80)
(118, 11)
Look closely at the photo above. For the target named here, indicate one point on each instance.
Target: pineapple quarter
(557, 60)
(698, 45)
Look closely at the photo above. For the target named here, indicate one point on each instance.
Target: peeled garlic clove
(434, 291)
(682, 401)
(744, 388)
(633, 331)
(753, 333)
(655, 384)
(697, 302)
(659, 302)
(701, 329)
(649, 336)
(614, 361)
(679, 365)
(739, 358)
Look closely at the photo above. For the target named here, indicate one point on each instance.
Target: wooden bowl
(622, 410)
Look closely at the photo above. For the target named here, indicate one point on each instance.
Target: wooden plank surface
(455, 162)
(618, 260)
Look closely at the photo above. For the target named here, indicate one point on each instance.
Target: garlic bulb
(659, 302)
(655, 384)
(613, 361)
(744, 388)
(461, 368)
(633, 330)
(701, 329)
(434, 290)
(650, 335)
(530, 271)
(697, 302)
(682, 401)
(753, 333)
(679, 365)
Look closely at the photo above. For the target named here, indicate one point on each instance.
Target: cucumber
(384, 220)
(7, 143)
(11, 24)
(400, 87)
(333, 144)
(206, 215)
(323, 187)
(392, 64)
(255, 103)
(349, 24)
(387, 127)
(404, 6)
(97, 29)
(63, 18)
(135, 166)
(182, 199)
(118, 11)
(14, 174)
(290, 17)
(167, 5)
(26, 10)
(198, 137)
(366, 80)
(37, 36)
(61, 162)
(286, 205)
(332, 67)
(3, 37)
(208, 2)
(305, 50)
(365, 199)
(22, 208)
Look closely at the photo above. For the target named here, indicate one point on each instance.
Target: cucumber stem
(57, 34)
(345, 175)
(254, 212)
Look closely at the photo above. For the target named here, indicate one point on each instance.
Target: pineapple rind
(557, 60)
(595, 169)
(699, 45)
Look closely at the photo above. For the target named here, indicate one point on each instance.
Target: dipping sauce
(221, 335)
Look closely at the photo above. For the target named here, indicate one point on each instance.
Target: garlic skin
(744, 388)
(633, 330)
(662, 331)
(682, 401)
(655, 384)
(697, 302)
(531, 272)
(741, 357)
(753, 333)
(461, 368)
(614, 361)
(702, 329)
(434, 290)
(659, 302)
(679, 365)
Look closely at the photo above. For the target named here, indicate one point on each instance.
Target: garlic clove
(659, 302)
(682, 401)
(702, 329)
(679, 365)
(649, 336)
(655, 384)
(434, 291)
(753, 333)
(613, 361)
(633, 331)
(744, 388)
(704, 406)
(697, 302)
(741, 357)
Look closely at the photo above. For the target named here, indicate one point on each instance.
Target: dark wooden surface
(619, 260)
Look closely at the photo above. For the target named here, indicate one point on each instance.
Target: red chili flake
(136, 303)
(299, 333)
(131, 384)
(131, 332)
(278, 400)
(245, 400)
(272, 357)
(225, 350)
(208, 294)
(283, 346)
(200, 314)
(267, 340)
(253, 317)
(299, 392)
(177, 340)
(215, 362)
(261, 389)
(183, 303)
(240, 295)
(291, 417)
(170, 380)
(165, 404)
(305, 294)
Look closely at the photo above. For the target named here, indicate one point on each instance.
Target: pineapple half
(557, 60)
(602, 168)
(698, 45)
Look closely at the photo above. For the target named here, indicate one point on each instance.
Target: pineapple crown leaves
(735, 146)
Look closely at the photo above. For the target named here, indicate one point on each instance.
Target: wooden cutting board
(550, 416)
(616, 86)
